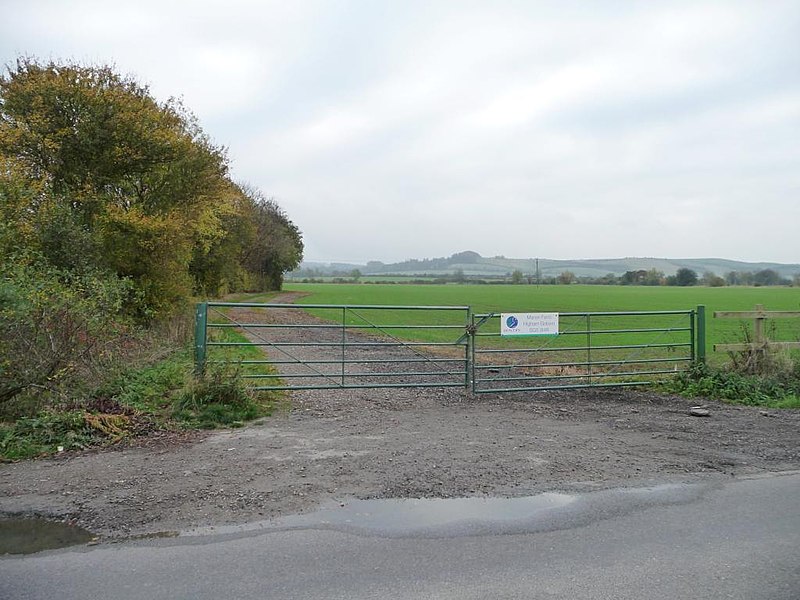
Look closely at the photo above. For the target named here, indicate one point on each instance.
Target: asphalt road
(737, 540)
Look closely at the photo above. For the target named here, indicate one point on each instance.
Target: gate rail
(592, 349)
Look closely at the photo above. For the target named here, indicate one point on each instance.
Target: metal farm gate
(591, 349)
(322, 346)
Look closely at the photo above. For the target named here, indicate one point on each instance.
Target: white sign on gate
(529, 324)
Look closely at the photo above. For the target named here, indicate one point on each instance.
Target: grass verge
(778, 390)
(157, 395)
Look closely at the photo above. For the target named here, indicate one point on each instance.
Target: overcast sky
(403, 129)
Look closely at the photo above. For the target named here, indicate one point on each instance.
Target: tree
(653, 277)
(17, 196)
(633, 277)
(768, 277)
(116, 173)
(95, 173)
(685, 277)
(517, 277)
(113, 206)
(712, 280)
(97, 136)
(608, 279)
(566, 278)
(467, 257)
(217, 265)
(739, 278)
(278, 244)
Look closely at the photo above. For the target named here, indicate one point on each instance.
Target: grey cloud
(559, 129)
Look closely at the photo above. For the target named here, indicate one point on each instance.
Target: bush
(56, 328)
(75, 374)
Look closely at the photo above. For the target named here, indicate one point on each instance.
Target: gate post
(701, 333)
(468, 354)
(200, 335)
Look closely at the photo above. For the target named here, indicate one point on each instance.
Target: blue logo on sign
(511, 322)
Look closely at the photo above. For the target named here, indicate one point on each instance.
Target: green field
(574, 298)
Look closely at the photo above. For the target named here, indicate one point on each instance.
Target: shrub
(56, 327)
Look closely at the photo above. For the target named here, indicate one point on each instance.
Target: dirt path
(402, 443)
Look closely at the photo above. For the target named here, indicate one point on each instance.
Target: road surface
(738, 540)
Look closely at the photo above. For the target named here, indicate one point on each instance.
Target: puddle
(397, 518)
(413, 517)
(476, 516)
(410, 516)
(26, 536)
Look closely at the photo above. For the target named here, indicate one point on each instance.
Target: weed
(149, 388)
(219, 398)
(775, 391)
(46, 433)
(760, 358)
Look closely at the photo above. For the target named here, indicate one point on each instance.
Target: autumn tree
(104, 176)
(114, 209)
(277, 245)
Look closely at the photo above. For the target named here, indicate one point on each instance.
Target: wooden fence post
(760, 344)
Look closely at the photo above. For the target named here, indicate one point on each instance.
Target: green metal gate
(322, 346)
(591, 349)
(337, 347)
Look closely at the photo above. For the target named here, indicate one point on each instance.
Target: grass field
(574, 298)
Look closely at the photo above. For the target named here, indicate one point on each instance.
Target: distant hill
(473, 264)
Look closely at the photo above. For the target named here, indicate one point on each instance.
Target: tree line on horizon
(684, 277)
(471, 266)
(689, 277)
